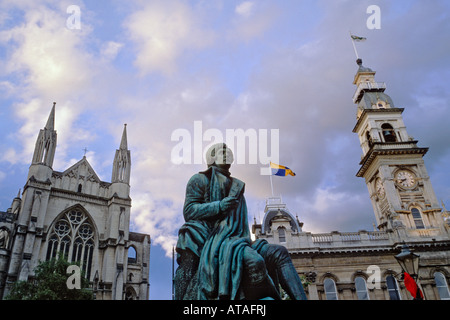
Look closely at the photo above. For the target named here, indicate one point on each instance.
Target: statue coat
(217, 238)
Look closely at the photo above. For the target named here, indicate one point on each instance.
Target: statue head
(219, 155)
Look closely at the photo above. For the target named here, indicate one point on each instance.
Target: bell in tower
(388, 133)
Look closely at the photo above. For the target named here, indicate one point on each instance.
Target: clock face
(380, 188)
(405, 178)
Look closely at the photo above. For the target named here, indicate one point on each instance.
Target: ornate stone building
(75, 213)
(362, 264)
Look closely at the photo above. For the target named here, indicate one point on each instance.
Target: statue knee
(282, 251)
(277, 254)
(254, 266)
(185, 281)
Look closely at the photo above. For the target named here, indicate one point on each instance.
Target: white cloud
(162, 31)
(7, 88)
(252, 20)
(47, 53)
(159, 220)
(10, 155)
(110, 50)
(48, 63)
(245, 8)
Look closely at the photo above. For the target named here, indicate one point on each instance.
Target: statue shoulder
(199, 179)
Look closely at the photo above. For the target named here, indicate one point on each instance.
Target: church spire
(123, 142)
(51, 119)
(122, 161)
(44, 151)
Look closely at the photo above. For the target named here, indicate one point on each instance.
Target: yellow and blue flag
(282, 171)
(358, 39)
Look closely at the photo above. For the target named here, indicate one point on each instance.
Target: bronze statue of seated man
(216, 257)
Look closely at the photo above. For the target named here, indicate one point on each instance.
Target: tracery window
(73, 235)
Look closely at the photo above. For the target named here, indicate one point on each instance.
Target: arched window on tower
(46, 150)
(388, 133)
(369, 139)
(132, 256)
(73, 236)
(417, 217)
(381, 105)
(130, 294)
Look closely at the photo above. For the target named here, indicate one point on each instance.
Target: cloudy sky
(162, 66)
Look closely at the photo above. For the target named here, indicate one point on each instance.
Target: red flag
(412, 287)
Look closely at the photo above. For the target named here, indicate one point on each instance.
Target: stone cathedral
(75, 213)
(361, 265)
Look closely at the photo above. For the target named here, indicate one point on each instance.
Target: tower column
(392, 163)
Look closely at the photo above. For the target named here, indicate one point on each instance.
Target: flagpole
(354, 46)
(173, 278)
(271, 184)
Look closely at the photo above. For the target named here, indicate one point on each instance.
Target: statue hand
(228, 203)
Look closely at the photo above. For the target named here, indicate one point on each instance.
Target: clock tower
(392, 163)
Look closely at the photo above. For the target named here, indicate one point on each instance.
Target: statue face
(220, 155)
(224, 157)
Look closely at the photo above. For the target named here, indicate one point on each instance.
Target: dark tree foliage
(50, 283)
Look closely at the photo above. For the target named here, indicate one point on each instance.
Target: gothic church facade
(75, 213)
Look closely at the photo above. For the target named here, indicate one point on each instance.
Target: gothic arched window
(130, 294)
(388, 133)
(132, 256)
(73, 236)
